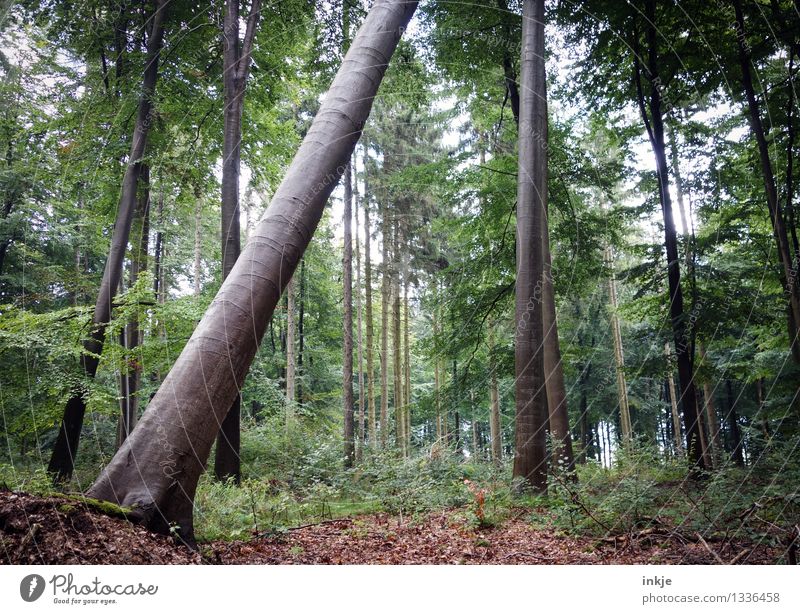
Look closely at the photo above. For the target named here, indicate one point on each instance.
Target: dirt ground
(60, 530)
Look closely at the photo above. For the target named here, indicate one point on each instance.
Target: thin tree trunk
(530, 461)
(673, 402)
(347, 348)
(407, 373)
(619, 356)
(301, 331)
(236, 68)
(788, 277)
(368, 307)
(437, 385)
(198, 244)
(397, 348)
(681, 334)
(174, 437)
(733, 427)
(385, 299)
(362, 430)
(712, 420)
(62, 461)
(495, 426)
(563, 456)
(290, 356)
(132, 334)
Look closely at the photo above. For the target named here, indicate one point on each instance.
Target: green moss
(104, 507)
(66, 508)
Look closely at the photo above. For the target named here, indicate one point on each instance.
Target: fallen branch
(712, 552)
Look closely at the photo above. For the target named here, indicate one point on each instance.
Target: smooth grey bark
(62, 461)
(236, 68)
(530, 461)
(156, 470)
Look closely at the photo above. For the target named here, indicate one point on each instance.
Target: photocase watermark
(31, 587)
(65, 590)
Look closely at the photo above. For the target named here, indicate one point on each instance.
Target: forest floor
(71, 530)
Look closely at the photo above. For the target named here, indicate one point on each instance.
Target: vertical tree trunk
(712, 420)
(407, 373)
(619, 356)
(291, 361)
(385, 299)
(62, 461)
(397, 340)
(530, 461)
(733, 426)
(788, 277)
(198, 244)
(563, 456)
(236, 68)
(495, 426)
(347, 281)
(681, 334)
(174, 437)
(132, 334)
(673, 403)
(437, 386)
(362, 420)
(301, 331)
(456, 416)
(368, 308)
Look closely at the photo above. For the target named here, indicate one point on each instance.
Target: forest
(506, 282)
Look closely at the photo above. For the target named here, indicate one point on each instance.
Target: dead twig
(712, 552)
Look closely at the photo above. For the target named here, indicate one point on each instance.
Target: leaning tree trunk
(156, 470)
(236, 67)
(530, 461)
(62, 461)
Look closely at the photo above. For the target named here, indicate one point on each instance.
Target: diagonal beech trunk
(157, 469)
(530, 462)
(236, 68)
(62, 461)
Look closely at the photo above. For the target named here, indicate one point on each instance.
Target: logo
(31, 587)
